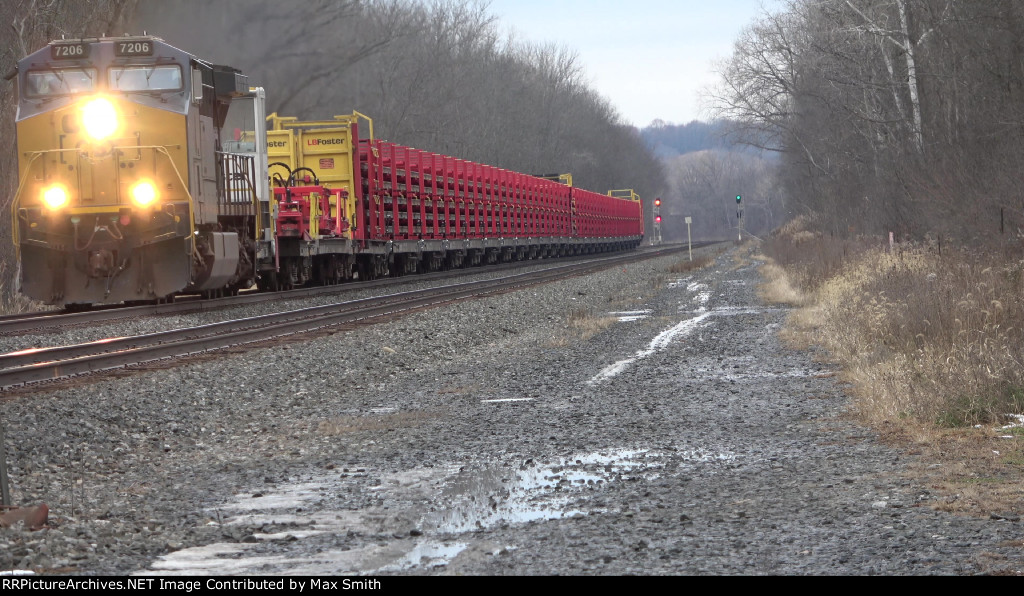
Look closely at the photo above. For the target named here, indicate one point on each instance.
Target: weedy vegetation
(580, 325)
(12, 302)
(686, 266)
(923, 334)
(930, 341)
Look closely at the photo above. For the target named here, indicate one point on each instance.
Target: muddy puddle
(464, 499)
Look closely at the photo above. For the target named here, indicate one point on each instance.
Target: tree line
(440, 76)
(889, 115)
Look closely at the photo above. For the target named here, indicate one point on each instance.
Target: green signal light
(738, 198)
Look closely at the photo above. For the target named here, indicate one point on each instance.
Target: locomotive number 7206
(67, 51)
(133, 48)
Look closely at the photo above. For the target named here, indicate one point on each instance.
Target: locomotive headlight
(55, 196)
(143, 193)
(99, 118)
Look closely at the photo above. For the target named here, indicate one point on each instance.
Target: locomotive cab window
(61, 81)
(145, 78)
(238, 134)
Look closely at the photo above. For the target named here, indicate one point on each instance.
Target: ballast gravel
(634, 421)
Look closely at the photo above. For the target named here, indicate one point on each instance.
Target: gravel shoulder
(492, 438)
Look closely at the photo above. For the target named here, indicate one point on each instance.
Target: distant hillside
(670, 140)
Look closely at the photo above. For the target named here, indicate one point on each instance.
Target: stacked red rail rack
(401, 209)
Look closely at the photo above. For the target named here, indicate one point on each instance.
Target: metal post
(689, 245)
(5, 491)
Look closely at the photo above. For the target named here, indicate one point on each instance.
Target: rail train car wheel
(268, 282)
(286, 277)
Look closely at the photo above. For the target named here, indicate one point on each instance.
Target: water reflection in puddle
(427, 554)
(477, 500)
(465, 500)
(630, 315)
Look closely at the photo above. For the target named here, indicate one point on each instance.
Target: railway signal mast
(656, 238)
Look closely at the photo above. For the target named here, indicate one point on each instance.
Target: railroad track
(28, 367)
(19, 323)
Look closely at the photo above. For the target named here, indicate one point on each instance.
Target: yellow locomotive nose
(99, 118)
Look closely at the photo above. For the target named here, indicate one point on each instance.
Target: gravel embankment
(489, 438)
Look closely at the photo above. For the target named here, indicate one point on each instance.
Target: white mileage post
(689, 246)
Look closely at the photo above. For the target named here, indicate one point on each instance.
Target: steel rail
(12, 324)
(45, 364)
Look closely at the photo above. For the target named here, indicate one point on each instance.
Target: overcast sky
(650, 58)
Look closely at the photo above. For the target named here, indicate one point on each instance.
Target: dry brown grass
(687, 265)
(933, 337)
(12, 302)
(777, 287)
(931, 344)
(744, 254)
(586, 324)
(460, 389)
(973, 471)
(581, 324)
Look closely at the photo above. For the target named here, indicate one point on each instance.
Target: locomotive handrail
(16, 202)
(248, 179)
(230, 161)
(184, 186)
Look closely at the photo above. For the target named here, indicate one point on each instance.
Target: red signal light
(657, 219)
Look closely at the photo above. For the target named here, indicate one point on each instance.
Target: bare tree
(891, 115)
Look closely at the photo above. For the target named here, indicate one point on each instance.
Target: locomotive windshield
(145, 78)
(61, 81)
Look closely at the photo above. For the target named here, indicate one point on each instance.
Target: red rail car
(361, 204)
